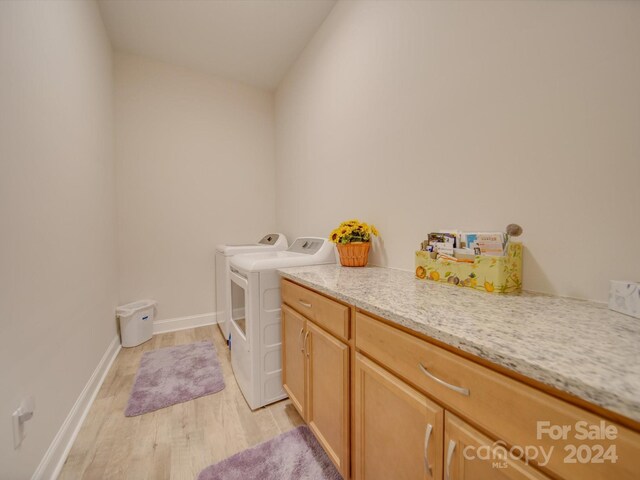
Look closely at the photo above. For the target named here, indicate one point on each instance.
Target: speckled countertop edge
(602, 368)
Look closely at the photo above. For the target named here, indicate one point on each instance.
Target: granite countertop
(575, 346)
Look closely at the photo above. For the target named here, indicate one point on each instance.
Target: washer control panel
(307, 245)
(269, 239)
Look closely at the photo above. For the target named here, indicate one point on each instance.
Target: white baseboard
(53, 460)
(183, 323)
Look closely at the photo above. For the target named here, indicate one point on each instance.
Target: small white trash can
(136, 322)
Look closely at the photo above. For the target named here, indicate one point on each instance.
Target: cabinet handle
(450, 449)
(304, 304)
(455, 388)
(300, 340)
(427, 438)
(304, 343)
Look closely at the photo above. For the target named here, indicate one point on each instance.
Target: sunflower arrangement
(353, 231)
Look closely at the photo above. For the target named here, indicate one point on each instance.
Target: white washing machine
(268, 243)
(256, 339)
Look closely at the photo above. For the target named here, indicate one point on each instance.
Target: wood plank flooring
(176, 442)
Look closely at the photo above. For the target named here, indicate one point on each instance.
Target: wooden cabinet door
(399, 431)
(462, 462)
(328, 394)
(293, 358)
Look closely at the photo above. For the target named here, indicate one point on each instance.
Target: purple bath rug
(293, 455)
(174, 375)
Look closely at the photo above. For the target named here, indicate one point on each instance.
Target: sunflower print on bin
(497, 274)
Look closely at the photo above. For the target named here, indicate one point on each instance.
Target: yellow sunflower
(353, 231)
(350, 223)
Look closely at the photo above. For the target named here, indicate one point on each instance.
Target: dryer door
(241, 336)
(239, 298)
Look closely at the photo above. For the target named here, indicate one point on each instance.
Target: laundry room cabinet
(398, 431)
(461, 441)
(327, 382)
(316, 368)
(294, 327)
(385, 402)
(402, 434)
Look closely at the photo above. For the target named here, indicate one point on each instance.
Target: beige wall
(424, 115)
(195, 167)
(57, 215)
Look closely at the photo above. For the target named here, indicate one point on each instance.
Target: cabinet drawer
(508, 409)
(329, 314)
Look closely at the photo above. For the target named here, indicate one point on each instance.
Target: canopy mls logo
(582, 431)
(499, 455)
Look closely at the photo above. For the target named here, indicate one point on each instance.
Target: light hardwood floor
(176, 442)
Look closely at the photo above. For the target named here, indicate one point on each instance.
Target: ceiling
(252, 41)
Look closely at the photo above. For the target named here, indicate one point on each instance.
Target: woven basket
(354, 254)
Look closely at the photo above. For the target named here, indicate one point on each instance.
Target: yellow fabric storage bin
(486, 273)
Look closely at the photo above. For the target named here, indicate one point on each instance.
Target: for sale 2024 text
(585, 432)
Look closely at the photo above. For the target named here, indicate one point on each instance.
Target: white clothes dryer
(256, 338)
(269, 243)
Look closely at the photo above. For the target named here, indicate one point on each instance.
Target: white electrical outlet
(23, 413)
(624, 297)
